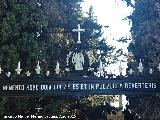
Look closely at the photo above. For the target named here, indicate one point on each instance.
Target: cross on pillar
(78, 30)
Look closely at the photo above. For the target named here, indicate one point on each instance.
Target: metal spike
(140, 67)
(38, 69)
(57, 68)
(47, 73)
(18, 70)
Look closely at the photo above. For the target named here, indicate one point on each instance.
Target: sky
(111, 13)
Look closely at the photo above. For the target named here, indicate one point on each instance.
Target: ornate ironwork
(82, 80)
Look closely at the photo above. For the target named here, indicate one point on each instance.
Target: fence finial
(8, 74)
(120, 68)
(28, 73)
(151, 71)
(1, 70)
(57, 68)
(18, 70)
(48, 73)
(38, 68)
(140, 67)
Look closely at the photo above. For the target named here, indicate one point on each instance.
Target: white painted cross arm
(78, 30)
(130, 71)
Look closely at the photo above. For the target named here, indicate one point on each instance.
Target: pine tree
(22, 21)
(21, 24)
(145, 46)
(41, 30)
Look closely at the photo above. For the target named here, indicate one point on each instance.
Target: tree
(41, 30)
(145, 46)
(85, 111)
(22, 23)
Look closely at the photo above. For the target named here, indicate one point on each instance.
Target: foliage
(21, 22)
(87, 112)
(41, 30)
(98, 100)
(129, 3)
(145, 46)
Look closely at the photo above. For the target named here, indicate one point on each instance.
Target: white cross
(78, 30)
(131, 71)
(28, 73)
(18, 70)
(8, 74)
